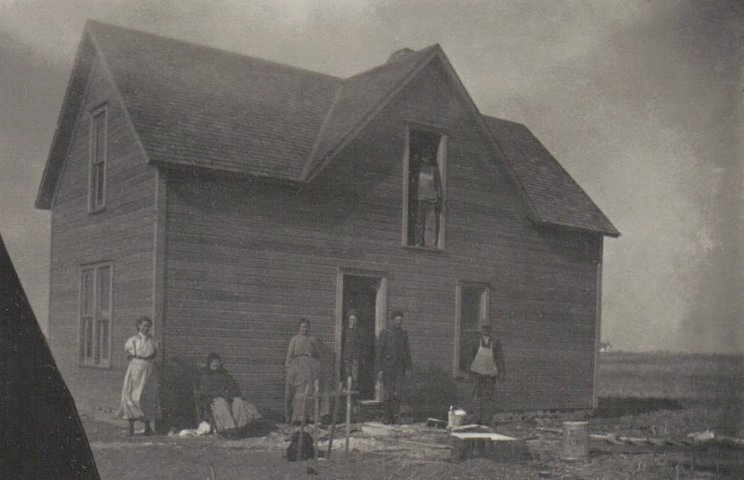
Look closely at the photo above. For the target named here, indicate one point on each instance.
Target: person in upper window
(219, 398)
(140, 392)
(487, 366)
(428, 199)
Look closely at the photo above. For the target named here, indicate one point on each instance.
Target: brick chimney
(398, 54)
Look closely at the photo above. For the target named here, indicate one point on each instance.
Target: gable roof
(360, 97)
(554, 195)
(199, 106)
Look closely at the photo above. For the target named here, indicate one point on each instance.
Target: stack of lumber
(495, 446)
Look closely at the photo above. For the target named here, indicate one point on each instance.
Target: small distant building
(227, 196)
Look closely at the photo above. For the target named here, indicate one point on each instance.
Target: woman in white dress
(141, 389)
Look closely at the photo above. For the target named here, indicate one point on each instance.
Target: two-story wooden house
(226, 197)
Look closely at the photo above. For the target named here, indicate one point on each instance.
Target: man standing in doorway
(393, 361)
(487, 366)
(352, 350)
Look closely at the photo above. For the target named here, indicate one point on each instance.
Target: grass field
(687, 378)
(677, 393)
(669, 396)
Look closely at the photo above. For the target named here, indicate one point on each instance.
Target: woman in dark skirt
(219, 398)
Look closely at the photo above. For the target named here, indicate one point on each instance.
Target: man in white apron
(487, 366)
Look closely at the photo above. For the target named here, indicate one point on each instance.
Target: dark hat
(486, 326)
(352, 312)
(397, 313)
(213, 356)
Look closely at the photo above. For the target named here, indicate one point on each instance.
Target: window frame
(90, 322)
(96, 181)
(483, 314)
(442, 165)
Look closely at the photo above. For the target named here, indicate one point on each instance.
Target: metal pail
(575, 441)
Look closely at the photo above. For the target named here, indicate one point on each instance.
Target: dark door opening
(473, 313)
(360, 293)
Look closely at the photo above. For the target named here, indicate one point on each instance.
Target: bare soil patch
(642, 396)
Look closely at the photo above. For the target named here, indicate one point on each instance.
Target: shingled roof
(554, 195)
(358, 99)
(203, 107)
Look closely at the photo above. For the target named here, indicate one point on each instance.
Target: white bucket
(455, 417)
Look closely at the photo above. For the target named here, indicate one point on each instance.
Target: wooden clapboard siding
(247, 259)
(122, 233)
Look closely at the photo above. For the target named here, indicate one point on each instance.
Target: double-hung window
(95, 314)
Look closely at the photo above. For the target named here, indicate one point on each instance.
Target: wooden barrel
(575, 441)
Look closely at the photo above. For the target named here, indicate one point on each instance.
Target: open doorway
(472, 302)
(365, 295)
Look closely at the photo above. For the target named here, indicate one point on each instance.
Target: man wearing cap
(393, 361)
(487, 366)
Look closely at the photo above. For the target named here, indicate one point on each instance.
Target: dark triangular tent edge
(41, 435)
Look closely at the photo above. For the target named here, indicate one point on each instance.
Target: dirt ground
(406, 451)
(641, 395)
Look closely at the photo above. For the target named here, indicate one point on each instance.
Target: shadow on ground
(611, 407)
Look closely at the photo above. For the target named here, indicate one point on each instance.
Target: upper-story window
(424, 189)
(98, 150)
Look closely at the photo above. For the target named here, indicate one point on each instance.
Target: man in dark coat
(487, 366)
(353, 348)
(393, 361)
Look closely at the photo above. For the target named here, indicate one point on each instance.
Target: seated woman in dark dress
(219, 400)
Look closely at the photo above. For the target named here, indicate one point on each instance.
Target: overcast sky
(640, 100)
